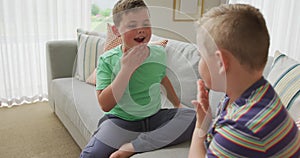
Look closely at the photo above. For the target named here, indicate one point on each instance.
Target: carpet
(34, 131)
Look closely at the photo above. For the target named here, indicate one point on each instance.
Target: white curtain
(25, 27)
(283, 22)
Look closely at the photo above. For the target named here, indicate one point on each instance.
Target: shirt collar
(247, 94)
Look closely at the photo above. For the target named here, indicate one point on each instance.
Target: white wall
(161, 12)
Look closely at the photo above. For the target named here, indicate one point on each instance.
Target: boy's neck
(238, 83)
(124, 49)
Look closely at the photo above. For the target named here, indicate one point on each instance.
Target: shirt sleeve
(234, 140)
(104, 74)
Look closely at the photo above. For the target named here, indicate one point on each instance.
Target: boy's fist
(134, 57)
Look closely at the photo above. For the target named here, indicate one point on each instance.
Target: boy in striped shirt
(251, 121)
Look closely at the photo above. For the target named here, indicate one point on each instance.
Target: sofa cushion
(285, 78)
(90, 46)
(78, 101)
(112, 40)
(180, 150)
(182, 69)
(92, 78)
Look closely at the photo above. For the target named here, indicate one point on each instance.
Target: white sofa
(75, 103)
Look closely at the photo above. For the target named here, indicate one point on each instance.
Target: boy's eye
(146, 25)
(131, 26)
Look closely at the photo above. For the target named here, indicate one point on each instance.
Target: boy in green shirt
(128, 90)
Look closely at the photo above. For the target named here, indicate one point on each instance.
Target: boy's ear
(115, 30)
(222, 61)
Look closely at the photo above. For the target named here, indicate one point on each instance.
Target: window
(101, 14)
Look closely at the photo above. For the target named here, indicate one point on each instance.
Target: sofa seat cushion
(78, 101)
(180, 150)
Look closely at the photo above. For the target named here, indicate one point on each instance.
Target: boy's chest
(153, 69)
(149, 73)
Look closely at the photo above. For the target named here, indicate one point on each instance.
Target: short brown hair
(125, 6)
(240, 29)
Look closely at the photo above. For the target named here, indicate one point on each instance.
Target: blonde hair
(240, 29)
(125, 6)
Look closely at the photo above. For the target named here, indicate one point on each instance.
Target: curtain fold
(283, 22)
(25, 27)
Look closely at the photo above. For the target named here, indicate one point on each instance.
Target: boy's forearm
(197, 148)
(171, 94)
(109, 97)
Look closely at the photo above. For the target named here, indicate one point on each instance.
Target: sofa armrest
(60, 60)
(60, 56)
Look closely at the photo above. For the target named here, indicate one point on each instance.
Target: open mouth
(139, 39)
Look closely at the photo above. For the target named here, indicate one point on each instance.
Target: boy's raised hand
(298, 123)
(202, 106)
(134, 57)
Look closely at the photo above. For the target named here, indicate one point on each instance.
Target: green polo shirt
(142, 95)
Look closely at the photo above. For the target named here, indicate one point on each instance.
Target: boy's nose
(141, 31)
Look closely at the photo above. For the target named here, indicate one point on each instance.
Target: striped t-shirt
(255, 125)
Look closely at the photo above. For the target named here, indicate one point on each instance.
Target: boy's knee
(95, 149)
(189, 115)
(89, 150)
(187, 111)
(85, 154)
